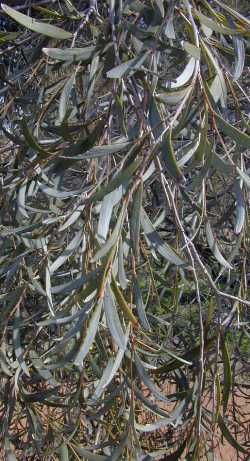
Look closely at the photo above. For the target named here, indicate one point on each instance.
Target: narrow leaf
(135, 220)
(227, 383)
(32, 24)
(113, 320)
(127, 67)
(156, 243)
(214, 247)
(87, 341)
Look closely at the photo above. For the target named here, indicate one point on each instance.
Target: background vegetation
(124, 257)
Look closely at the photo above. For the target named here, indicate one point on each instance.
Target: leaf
(174, 419)
(32, 24)
(19, 352)
(177, 454)
(140, 305)
(240, 55)
(214, 25)
(147, 381)
(21, 200)
(240, 208)
(228, 436)
(71, 248)
(9, 453)
(120, 178)
(186, 75)
(135, 220)
(72, 218)
(41, 369)
(123, 303)
(218, 396)
(87, 455)
(87, 341)
(48, 291)
(64, 99)
(238, 136)
(31, 140)
(111, 369)
(244, 177)
(112, 241)
(108, 203)
(70, 54)
(8, 36)
(101, 151)
(155, 119)
(233, 12)
(227, 382)
(173, 97)
(169, 159)
(113, 320)
(63, 195)
(222, 166)
(155, 242)
(118, 451)
(192, 49)
(218, 88)
(214, 247)
(94, 74)
(127, 67)
(121, 269)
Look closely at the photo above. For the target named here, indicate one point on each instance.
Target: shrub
(124, 229)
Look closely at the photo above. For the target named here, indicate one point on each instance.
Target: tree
(124, 229)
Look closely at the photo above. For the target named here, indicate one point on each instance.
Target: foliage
(124, 256)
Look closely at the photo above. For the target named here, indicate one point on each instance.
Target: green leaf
(244, 177)
(174, 419)
(238, 136)
(101, 151)
(70, 249)
(112, 241)
(135, 220)
(19, 352)
(108, 203)
(87, 341)
(233, 13)
(65, 98)
(148, 382)
(9, 454)
(177, 454)
(239, 47)
(111, 369)
(121, 269)
(127, 67)
(155, 242)
(227, 382)
(215, 25)
(240, 208)
(87, 455)
(169, 158)
(173, 97)
(8, 37)
(192, 49)
(228, 436)
(120, 178)
(32, 24)
(218, 88)
(140, 305)
(185, 76)
(113, 320)
(214, 247)
(70, 54)
(31, 140)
